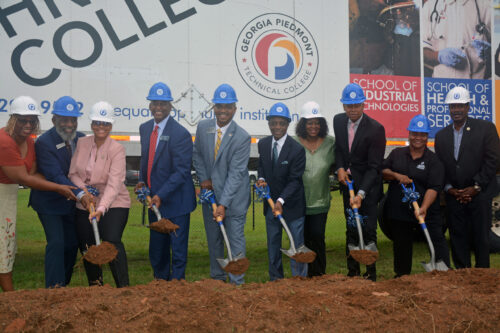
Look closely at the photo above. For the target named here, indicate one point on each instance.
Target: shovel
(238, 264)
(432, 265)
(162, 225)
(364, 254)
(301, 254)
(101, 253)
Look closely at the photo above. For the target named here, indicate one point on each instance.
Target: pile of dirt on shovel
(453, 301)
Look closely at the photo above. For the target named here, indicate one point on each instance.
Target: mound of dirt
(453, 301)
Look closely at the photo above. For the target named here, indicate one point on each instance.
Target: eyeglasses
(100, 123)
(24, 121)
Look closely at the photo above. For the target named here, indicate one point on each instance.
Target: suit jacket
(284, 180)
(108, 174)
(171, 173)
(366, 155)
(53, 161)
(229, 171)
(478, 157)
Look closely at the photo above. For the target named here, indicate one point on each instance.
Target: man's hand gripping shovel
(300, 254)
(238, 264)
(365, 254)
(411, 196)
(101, 253)
(162, 225)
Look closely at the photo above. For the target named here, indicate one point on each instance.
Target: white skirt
(8, 212)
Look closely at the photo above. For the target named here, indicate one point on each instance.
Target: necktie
(152, 150)
(275, 153)
(217, 143)
(68, 147)
(351, 135)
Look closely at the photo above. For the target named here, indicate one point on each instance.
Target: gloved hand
(483, 48)
(453, 57)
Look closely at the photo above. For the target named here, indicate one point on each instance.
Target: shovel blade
(441, 266)
(427, 266)
(438, 266)
(290, 253)
(303, 249)
(371, 247)
(222, 262)
(353, 247)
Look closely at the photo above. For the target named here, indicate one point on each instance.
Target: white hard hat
(24, 105)
(310, 110)
(458, 95)
(102, 111)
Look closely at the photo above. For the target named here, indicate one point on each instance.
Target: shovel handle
(218, 218)
(223, 231)
(351, 192)
(420, 218)
(153, 207)
(283, 223)
(94, 225)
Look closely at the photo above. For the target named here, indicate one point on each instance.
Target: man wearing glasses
(221, 154)
(54, 150)
(166, 152)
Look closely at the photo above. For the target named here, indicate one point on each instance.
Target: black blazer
(478, 157)
(285, 180)
(366, 156)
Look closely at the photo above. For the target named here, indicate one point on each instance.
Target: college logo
(276, 56)
(159, 92)
(69, 107)
(103, 113)
(223, 94)
(352, 94)
(31, 107)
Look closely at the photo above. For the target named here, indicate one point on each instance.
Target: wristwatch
(477, 187)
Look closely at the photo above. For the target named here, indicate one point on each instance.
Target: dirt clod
(304, 257)
(364, 257)
(165, 226)
(237, 267)
(453, 301)
(102, 254)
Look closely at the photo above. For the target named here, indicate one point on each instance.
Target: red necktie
(152, 150)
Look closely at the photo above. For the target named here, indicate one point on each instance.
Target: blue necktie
(275, 154)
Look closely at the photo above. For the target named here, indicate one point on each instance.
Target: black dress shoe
(353, 273)
(369, 276)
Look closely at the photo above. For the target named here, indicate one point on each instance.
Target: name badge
(284, 162)
(211, 130)
(421, 166)
(164, 138)
(61, 145)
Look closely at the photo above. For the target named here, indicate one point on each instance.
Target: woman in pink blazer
(99, 161)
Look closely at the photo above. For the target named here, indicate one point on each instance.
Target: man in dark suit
(469, 149)
(166, 151)
(359, 152)
(54, 149)
(282, 161)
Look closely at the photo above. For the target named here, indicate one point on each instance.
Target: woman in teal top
(312, 131)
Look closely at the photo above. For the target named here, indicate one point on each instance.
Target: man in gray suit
(220, 157)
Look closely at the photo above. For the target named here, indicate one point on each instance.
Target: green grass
(29, 265)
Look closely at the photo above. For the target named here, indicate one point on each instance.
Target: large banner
(405, 54)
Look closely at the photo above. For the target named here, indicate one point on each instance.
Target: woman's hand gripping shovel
(364, 254)
(162, 225)
(300, 254)
(101, 253)
(411, 196)
(238, 264)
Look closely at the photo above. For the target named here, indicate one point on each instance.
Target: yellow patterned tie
(217, 144)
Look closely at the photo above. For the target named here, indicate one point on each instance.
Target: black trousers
(469, 226)
(368, 209)
(111, 228)
(402, 245)
(314, 238)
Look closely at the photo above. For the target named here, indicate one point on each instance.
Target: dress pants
(61, 248)
(166, 266)
(274, 231)
(235, 229)
(314, 237)
(402, 234)
(111, 228)
(469, 226)
(369, 226)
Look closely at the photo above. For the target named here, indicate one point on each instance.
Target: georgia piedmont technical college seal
(276, 56)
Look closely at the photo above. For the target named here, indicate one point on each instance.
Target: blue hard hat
(419, 123)
(279, 110)
(160, 92)
(224, 94)
(353, 94)
(67, 107)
